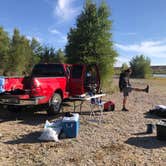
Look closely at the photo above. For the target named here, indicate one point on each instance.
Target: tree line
(18, 54)
(89, 42)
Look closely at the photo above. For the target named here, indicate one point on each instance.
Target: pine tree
(140, 66)
(36, 49)
(48, 55)
(60, 57)
(20, 54)
(91, 41)
(4, 50)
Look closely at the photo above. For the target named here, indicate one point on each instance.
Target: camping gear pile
(68, 127)
(161, 130)
(159, 110)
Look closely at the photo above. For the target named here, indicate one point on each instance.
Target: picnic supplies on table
(51, 131)
(70, 126)
(89, 99)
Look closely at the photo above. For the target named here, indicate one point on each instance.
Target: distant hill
(155, 69)
(159, 69)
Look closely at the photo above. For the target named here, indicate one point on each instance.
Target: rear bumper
(17, 101)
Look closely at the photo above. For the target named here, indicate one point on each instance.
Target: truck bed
(12, 83)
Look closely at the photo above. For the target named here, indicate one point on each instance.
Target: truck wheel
(55, 104)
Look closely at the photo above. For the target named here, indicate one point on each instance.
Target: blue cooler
(2, 83)
(70, 126)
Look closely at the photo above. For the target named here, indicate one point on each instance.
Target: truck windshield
(48, 70)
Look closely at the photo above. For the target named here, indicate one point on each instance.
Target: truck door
(76, 81)
(80, 81)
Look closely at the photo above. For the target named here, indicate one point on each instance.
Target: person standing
(125, 86)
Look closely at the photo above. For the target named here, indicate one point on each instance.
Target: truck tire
(55, 104)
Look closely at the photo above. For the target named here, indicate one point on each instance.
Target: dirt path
(119, 140)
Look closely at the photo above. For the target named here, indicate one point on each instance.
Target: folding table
(92, 101)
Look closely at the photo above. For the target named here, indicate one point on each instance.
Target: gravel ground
(119, 140)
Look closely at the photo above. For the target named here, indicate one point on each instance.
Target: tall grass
(109, 87)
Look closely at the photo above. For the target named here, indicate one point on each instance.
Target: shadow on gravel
(29, 117)
(141, 133)
(30, 138)
(147, 142)
(37, 116)
(97, 112)
(152, 116)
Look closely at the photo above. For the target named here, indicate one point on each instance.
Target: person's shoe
(147, 89)
(124, 109)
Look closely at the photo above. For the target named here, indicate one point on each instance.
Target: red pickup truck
(48, 84)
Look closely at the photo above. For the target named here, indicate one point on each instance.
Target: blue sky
(139, 26)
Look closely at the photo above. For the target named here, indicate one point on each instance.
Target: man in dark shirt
(126, 88)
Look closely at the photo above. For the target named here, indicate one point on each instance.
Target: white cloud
(37, 38)
(54, 31)
(121, 60)
(147, 48)
(127, 33)
(62, 40)
(60, 37)
(65, 9)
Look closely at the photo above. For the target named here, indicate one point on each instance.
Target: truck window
(48, 70)
(76, 72)
(91, 76)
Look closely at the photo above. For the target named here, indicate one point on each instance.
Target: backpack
(122, 82)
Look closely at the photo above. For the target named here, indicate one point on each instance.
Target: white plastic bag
(160, 107)
(51, 131)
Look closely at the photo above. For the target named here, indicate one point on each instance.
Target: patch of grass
(158, 81)
(109, 87)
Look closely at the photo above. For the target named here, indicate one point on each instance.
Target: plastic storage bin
(2, 82)
(161, 130)
(70, 126)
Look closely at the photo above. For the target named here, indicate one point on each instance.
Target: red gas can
(109, 106)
